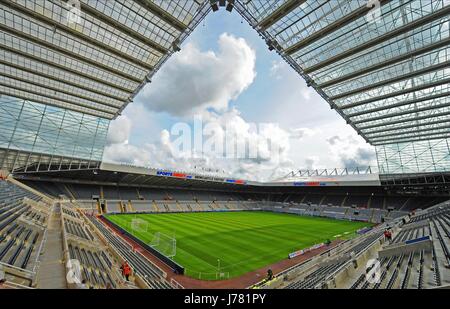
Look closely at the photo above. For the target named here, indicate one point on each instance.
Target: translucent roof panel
(91, 56)
(382, 67)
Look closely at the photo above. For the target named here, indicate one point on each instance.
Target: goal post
(139, 226)
(165, 244)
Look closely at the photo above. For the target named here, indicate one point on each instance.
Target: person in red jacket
(126, 270)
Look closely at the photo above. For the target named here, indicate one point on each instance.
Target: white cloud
(193, 80)
(352, 151)
(298, 133)
(311, 162)
(119, 130)
(276, 70)
(271, 141)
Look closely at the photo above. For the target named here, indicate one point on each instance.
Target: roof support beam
(279, 13)
(111, 21)
(404, 103)
(79, 35)
(58, 90)
(382, 38)
(405, 112)
(68, 54)
(392, 122)
(414, 125)
(68, 82)
(397, 93)
(52, 97)
(106, 115)
(412, 138)
(168, 18)
(409, 132)
(385, 82)
(338, 24)
(381, 65)
(61, 67)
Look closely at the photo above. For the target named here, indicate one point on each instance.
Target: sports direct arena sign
(303, 251)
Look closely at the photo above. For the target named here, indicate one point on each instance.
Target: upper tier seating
(123, 193)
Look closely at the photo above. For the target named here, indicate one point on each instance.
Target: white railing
(341, 171)
(12, 285)
(28, 274)
(39, 251)
(164, 274)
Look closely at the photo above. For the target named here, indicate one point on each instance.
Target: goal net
(139, 226)
(165, 244)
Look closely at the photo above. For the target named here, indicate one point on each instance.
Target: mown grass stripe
(243, 241)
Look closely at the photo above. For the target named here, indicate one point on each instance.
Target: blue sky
(226, 73)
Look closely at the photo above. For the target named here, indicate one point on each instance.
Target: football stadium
(71, 220)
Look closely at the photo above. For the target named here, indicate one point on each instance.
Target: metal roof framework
(379, 67)
(93, 57)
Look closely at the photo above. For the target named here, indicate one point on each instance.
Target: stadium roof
(383, 65)
(91, 56)
(332, 180)
(129, 175)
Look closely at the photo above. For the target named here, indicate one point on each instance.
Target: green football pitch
(218, 245)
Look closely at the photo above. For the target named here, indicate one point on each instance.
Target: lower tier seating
(151, 274)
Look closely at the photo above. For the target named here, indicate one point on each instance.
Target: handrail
(41, 246)
(26, 271)
(343, 266)
(14, 285)
(164, 274)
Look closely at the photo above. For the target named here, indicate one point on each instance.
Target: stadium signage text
(309, 184)
(186, 176)
(412, 241)
(303, 251)
(239, 182)
(364, 230)
(173, 174)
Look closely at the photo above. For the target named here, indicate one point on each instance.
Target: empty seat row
(94, 269)
(70, 212)
(75, 228)
(17, 244)
(319, 275)
(35, 216)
